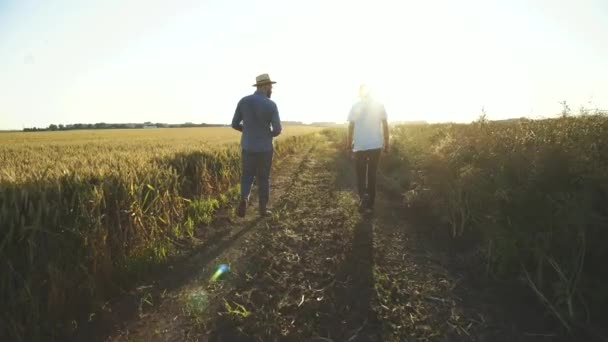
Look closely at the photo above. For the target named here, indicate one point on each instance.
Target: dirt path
(154, 308)
(317, 271)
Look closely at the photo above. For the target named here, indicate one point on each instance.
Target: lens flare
(221, 269)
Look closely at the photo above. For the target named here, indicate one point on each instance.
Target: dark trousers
(367, 166)
(256, 165)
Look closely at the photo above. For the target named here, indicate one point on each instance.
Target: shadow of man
(352, 317)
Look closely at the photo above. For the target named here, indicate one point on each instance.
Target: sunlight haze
(69, 62)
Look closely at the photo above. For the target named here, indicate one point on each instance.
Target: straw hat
(263, 79)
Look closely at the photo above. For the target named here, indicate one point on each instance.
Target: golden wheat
(82, 211)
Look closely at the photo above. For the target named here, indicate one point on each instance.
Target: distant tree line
(286, 123)
(103, 125)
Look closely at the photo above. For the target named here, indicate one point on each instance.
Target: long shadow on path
(126, 308)
(350, 315)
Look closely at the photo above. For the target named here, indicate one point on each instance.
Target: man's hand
(349, 150)
(386, 148)
(349, 139)
(386, 135)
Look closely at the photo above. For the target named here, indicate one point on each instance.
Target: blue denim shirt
(257, 117)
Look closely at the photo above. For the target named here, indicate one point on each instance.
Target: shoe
(264, 211)
(363, 203)
(370, 206)
(362, 206)
(242, 208)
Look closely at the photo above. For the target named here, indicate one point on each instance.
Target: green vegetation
(531, 194)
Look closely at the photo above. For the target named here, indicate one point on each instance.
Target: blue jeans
(256, 165)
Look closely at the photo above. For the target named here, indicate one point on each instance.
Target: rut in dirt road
(290, 285)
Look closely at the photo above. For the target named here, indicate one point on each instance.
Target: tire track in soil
(154, 312)
(312, 277)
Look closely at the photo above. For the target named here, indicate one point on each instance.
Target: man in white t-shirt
(367, 137)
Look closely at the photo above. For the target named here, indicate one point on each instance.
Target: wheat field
(82, 212)
(30, 155)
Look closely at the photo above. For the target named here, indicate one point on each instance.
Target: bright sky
(65, 61)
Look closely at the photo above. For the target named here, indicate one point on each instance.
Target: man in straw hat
(367, 136)
(257, 117)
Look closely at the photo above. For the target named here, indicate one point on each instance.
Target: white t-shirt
(367, 115)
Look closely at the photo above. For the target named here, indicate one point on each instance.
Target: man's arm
(351, 128)
(238, 118)
(386, 134)
(276, 122)
(350, 134)
(385, 128)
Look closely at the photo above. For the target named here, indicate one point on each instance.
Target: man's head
(266, 89)
(264, 84)
(364, 91)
